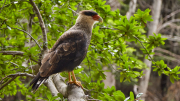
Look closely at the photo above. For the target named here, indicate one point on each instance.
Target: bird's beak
(97, 18)
(100, 19)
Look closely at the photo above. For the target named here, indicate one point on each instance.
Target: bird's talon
(76, 83)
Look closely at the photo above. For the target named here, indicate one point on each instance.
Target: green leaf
(131, 95)
(172, 78)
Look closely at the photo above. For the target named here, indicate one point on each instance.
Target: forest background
(133, 55)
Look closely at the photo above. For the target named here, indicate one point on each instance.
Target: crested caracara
(69, 50)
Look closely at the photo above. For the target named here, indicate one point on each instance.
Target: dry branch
(167, 57)
(13, 76)
(12, 53)
(7, 82)
(171, 14)
(72, 92)
(16, 53)
(42, 25)
(167, 24)
(26, 33)
(168, 52)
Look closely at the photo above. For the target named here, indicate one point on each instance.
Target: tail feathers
(37, 81)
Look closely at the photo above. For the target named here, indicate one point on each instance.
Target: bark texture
(72, 92)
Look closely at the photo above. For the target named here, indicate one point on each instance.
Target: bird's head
(89, 17)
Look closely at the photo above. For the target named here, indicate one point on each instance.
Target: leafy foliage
(108, 45)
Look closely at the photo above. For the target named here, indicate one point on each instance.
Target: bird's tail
(37, 81)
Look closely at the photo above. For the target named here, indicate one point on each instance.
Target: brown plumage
(69, 50)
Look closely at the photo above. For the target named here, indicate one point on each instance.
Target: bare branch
(42, 25)
(168, 52)
(12, 53)
(16, 53)
(49, 83)
(167, 24)
(171, 14)
(14, 77)
(171, 38)
(26, 33)
(60, 85)
(8, 82)
(167, 57)
(73, 11)
(56, 85)
(108, 28)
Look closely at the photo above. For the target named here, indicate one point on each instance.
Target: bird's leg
(69, 73)
(78, 83)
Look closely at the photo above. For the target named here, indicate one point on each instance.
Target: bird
(69, 50)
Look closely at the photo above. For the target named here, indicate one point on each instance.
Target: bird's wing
(68, 48)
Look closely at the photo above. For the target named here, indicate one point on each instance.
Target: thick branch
(60, 85)
(49, 83)
(72, 92)
(42, 25)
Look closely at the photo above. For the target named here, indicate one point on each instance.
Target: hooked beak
(100, 19)
(97, 18)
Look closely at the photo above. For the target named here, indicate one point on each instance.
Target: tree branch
(8, 82)
(167, 57)
(56, 85)
(26, 33)
(168, 52)
(16, 53)
(12, 53)
(42, 25)
(60, 85)
(171, 14)
(171, 38)
(167, 24)
(49, 83)
(13, 77)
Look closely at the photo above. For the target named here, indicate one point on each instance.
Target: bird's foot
(78, 83)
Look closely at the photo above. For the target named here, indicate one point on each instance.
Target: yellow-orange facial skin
(97, 18)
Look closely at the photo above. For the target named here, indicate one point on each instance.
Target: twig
(108, 28)
(24, 32)
(168, 52)
(144, 48)
(42, 25)
(167, 24)
(14, 64)
(3, 6)
(171, 14)
(167, 57)
(73, 11)
(8, 82)
(17, 74)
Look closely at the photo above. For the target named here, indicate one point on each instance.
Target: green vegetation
(108, 46)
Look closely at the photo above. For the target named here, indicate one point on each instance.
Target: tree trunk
(152, 29)
(132, 8)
